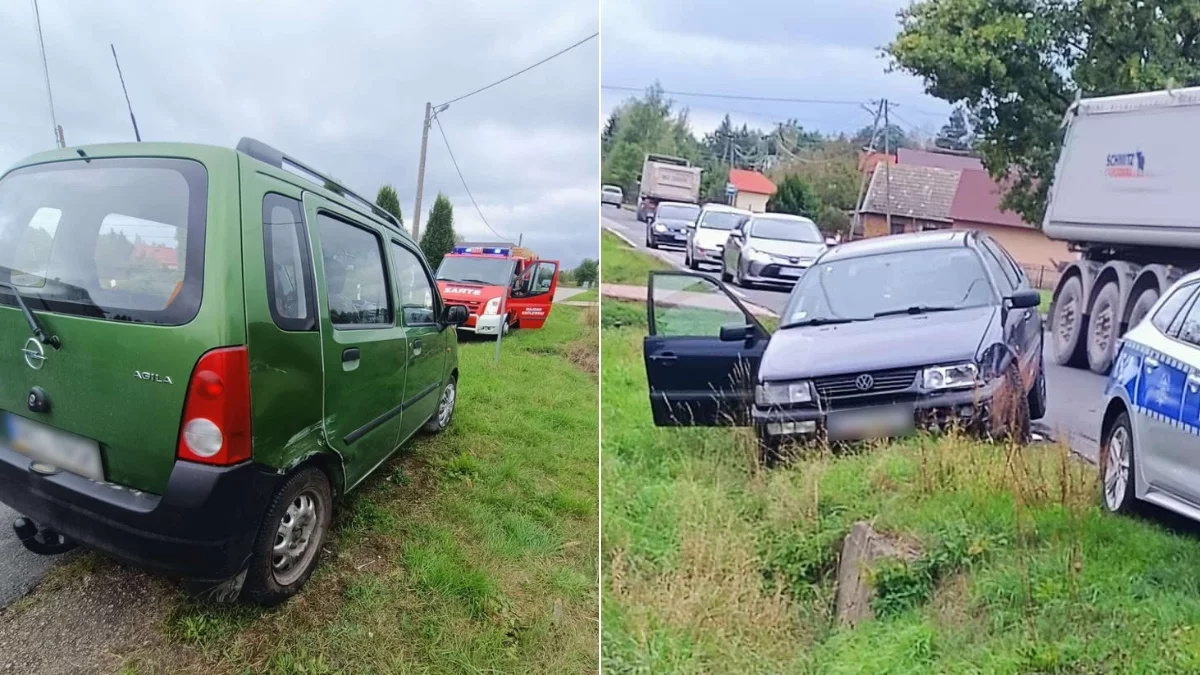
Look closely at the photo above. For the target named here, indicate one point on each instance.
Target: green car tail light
(216, 419)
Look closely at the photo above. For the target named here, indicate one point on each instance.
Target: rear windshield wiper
(826, 321)
(916, 309)
(30, 318)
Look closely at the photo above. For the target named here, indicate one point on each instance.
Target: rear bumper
(202, 527)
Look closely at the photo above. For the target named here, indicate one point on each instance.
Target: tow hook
(42, 541)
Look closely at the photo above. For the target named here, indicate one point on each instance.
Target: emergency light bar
(482, 250)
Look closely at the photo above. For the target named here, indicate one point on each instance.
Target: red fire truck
(479, 275)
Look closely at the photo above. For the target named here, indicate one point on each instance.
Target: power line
(739, 97)
(464, 180)
(524, 70)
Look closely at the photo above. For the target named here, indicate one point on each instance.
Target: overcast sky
(342, 86)
(813, 49)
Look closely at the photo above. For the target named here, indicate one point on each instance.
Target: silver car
(1151, 427)
(771, 248)
(611, 195)
(707, 236)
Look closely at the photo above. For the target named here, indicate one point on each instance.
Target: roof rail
(276, 158)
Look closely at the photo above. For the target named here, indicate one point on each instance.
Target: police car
(1151, 426)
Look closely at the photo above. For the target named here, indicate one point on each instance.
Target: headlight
(659, 227)
(783, 393)
(492, 306)
(957, 376)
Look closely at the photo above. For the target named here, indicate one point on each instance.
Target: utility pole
(58, 135)
(421, 172)
(862, 183)
(887, 167)
(136, 134)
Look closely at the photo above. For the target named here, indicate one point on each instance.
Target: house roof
(916, 192)
(751, 181)
(978, 200)
(941, 160)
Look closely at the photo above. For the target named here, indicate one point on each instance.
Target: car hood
(709, 238)
(789, 249)
(888, 342)
(458, 292)
(673, 224)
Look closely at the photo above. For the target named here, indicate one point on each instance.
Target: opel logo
(864, 382)
(35, 355)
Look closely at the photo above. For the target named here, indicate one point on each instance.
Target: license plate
(55, 447)
(790, 272)
(880, 422)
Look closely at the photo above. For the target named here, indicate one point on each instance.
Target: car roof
(725, 208)
(914, 241)
(677, 204)
(781, 216)
(610, 186)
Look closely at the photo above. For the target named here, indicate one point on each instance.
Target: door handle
(416, 347)
(350, 355)
(1193, 381)
(665, 357)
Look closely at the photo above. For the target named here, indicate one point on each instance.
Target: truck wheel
(1103, 329)
(1066, 325)
(1141, 305)
(290, 538)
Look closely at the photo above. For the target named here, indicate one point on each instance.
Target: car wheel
(1066, 325)
(725, 275)
(1037, 395)
(445, 410)
(691, 261)
(1103, 327)
(1116, 467)
(290, 538)
(770, 451)
(650, 243)
(737, 277)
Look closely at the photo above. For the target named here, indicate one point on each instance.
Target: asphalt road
(1076, 397)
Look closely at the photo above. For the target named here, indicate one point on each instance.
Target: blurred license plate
(53, 446)
(792, 272)
(869, 423)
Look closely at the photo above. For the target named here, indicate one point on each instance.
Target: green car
(200, 349)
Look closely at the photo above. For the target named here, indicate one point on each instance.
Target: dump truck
(666, 179)
(1123, 199)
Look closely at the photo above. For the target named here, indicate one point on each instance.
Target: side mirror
(691, 225)
(1024, 299)
(455, 315)
(736, 332)
(650, 218)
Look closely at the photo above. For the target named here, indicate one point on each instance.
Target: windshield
(786, 230)
(862, 288)
(611, 190)
(721, 220)
(119, 239)
(471, 269)
(678, 212)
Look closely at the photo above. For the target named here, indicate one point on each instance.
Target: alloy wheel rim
(1116, 469)
(446, 407)
(1066, 320)
(1104, 328)
(297, 536)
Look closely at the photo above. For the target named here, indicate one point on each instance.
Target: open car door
(532, 293)
(702, 353)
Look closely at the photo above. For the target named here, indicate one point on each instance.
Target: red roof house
(753, 189)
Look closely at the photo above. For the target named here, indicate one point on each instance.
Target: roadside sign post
(730, 193)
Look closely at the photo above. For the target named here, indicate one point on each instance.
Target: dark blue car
(879, 337)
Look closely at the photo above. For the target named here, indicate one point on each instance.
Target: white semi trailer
(1126, 197)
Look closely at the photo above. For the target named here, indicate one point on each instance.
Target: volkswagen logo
(864, 382)
(35, 355)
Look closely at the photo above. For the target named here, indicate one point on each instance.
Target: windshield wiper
(916, 309)
(30, 318)
(822, 321)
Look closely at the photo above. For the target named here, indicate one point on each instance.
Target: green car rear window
(117, 239)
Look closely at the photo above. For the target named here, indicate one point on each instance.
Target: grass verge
(471, 551)
(1047, 296)
(620, 264)
(711, 564)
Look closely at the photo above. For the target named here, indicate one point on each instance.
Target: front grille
(836, 387)
(472, 305)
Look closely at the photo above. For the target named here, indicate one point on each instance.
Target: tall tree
(389, 201)
(795, 196)
(438, 238)
(896, 138)
(1018, 64)
(587, 272)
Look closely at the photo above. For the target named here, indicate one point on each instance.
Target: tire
(442, 417)
(1010, 418)
(650, 240)
(1037, 395)
(770, 451)
(725, 275)
(689, 260)
(1141, 305)
(1103, 329)
(1067, 325)
(305, 499)
(737, 278)
(1116, 465)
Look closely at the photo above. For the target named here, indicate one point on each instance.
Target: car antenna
(136, 133)
(84, 155)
